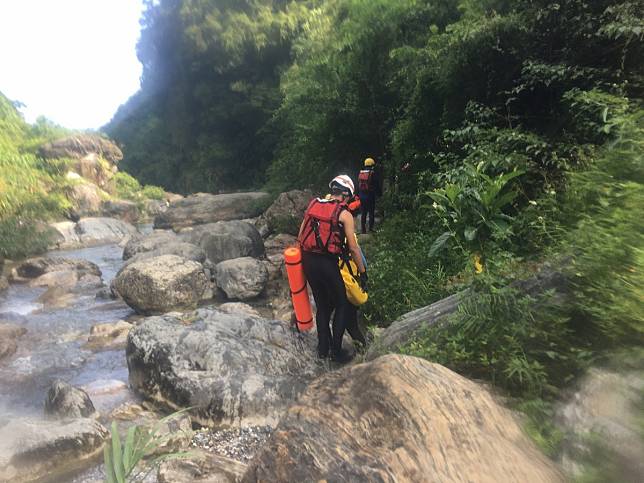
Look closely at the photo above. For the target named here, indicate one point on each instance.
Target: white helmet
(343, 182)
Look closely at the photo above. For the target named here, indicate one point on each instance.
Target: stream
(53, 347)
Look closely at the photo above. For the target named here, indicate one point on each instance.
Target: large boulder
(241, 278)
(602, 415)
(9, 333)
(286, 212)
(66, 401)
(31, 450)
(161, 284)
(91, 232)
(86, 198)
(234, 369)
(180, 249)
(204, 208)
(399, 419)
(148, 243)
(226, 240)
(121, 209)
(79, 146)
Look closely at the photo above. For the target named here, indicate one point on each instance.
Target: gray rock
(79, 146)
(204, 208)
(398, 418)
(121, 209)
(201, 467)
(286, 213)
(241, 278)
(9, 333)
(109, 336)
(36, 267)
(85, 198)
(226, 240)
(4, 283)
(155, 207)
(238, 308)
(147, 243)
(234, 369)
(180, 249)
(66, 401)
(31, 450)
(91, 232)
(604, 410)
(158, 285)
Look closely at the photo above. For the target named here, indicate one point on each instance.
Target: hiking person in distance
(327, 224)
(368, 190)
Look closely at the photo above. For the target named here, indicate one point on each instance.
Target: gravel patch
(239, 444)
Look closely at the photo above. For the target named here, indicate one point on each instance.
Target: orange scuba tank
(299, 291)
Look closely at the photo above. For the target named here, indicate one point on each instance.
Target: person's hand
(363, 281)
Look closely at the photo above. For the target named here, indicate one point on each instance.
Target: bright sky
(73, 61)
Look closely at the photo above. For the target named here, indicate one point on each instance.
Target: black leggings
(368, 209)
(323, 274)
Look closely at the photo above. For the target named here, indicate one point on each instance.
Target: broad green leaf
(439, 242)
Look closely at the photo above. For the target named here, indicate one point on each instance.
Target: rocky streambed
(198, 316)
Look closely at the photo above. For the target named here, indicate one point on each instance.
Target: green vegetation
(124, 460)
(31, 188)
(34, 190)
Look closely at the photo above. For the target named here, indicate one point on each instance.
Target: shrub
(125, 186)
(153, 192)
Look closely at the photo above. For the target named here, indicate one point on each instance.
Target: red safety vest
(364, 180)
(322, 231)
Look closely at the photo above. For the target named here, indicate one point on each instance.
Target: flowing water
(53, 347)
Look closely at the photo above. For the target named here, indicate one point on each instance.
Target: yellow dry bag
(355, 294)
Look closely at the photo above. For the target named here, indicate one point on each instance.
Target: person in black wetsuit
(327, 224)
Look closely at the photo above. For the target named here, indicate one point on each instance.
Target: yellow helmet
(369, 162)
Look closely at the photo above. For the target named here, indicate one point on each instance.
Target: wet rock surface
(398, 418)
(32, 449)
(9, 334)
(226, 240)
(241, 278)
(161, 284)
(109, 336)
(65, 401)
(235, 369)
(202, 208)
(34, 268)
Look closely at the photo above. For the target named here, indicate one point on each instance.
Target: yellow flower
(478, 264)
